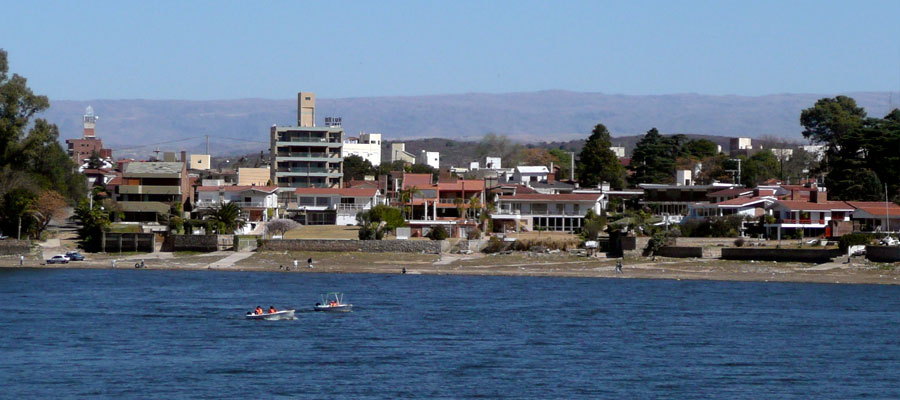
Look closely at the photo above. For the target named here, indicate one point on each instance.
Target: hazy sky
(272, 49)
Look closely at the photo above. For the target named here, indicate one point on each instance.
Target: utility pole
(887, 211)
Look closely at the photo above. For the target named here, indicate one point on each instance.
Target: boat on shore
(278, 315)
(332, 302)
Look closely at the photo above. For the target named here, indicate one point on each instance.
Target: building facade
(306, 156)
(82, 149)
(367, 146)
(151, 189)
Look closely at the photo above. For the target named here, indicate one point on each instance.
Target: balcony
(242, 204)
(300, 155)
(149, 189)
(145, 206)
(541, 213)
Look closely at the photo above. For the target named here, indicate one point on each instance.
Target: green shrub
(659, 240)
(494, 245)
(739, 242)
(437, 233)
(473, 234)
(854, 239)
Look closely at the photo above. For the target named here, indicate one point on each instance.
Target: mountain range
(238, 126)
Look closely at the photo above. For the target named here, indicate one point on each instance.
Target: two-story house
(334, 206)
(150, 189)
(551, 212)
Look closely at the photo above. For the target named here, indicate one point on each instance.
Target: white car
(58, 259)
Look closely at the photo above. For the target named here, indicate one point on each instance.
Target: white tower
(90, 121)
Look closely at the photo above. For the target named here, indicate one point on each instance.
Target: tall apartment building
(367, 146)
(89, 144)
(305, 155)
(150, 189)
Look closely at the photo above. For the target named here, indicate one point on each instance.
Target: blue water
(177, 334)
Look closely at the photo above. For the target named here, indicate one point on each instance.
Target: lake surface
(118, 333)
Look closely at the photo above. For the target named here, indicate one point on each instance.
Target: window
(560, 208)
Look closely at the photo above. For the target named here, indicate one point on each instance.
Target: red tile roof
(462, 184)
(808, 205)
(877, 208)
(553, 197)
(235, 188)
(347, 192)
(418, 180)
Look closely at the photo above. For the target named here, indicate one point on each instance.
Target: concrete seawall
(371, 246)
(767, 254)
(883, 253)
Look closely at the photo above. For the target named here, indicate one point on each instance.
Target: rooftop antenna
(157, 153)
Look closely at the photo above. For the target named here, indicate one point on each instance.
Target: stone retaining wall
(681, 252)
(117, 242)
(764, 254)
(371, 246)
(883, 253)
(12, 247)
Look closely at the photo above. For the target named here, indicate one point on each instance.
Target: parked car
(58, 259)
(3, 237)
(74, 256)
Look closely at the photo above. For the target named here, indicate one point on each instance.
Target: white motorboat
(283, 314)
(333, 302)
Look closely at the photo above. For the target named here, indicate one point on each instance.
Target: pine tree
(597, 163)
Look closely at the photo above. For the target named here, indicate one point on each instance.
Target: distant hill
(240, 126)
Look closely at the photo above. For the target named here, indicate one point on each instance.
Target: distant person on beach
(619, 266)
(21, 260)
(295, 264)
(309, 262)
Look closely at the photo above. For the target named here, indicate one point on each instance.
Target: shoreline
(516, 264)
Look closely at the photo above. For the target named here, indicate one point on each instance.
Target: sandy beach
(516, 264)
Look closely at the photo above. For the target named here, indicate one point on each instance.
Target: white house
(552, 212)
(258, 203)
(367, 146)
(334, 206)
(430, 158)
(525, 174)
(618, 151)
(815, 216)
(492, 163)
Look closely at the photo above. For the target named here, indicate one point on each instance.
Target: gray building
(306, 156)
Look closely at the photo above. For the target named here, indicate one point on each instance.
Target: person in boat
(332, 303)
(272, 310)
(258, 310)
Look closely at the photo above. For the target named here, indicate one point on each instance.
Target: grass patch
(124, 228)
(323, 232)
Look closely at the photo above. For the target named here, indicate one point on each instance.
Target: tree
(758, 168)
(356, 167)
(226, 217)
(49, 205)
(494, 145)
(563, 160)
(597, 163)
(93, 221)
(280, 226)
(18, 210)
(406, 197)
(653, 160)
(391, 217)
(37, 151)
(537, 156)
(700, 148)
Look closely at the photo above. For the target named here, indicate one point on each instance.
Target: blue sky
(240, 49)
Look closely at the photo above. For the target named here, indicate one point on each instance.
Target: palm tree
(227, 217)
(461, 207)
(406, 196)
(475, 206)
